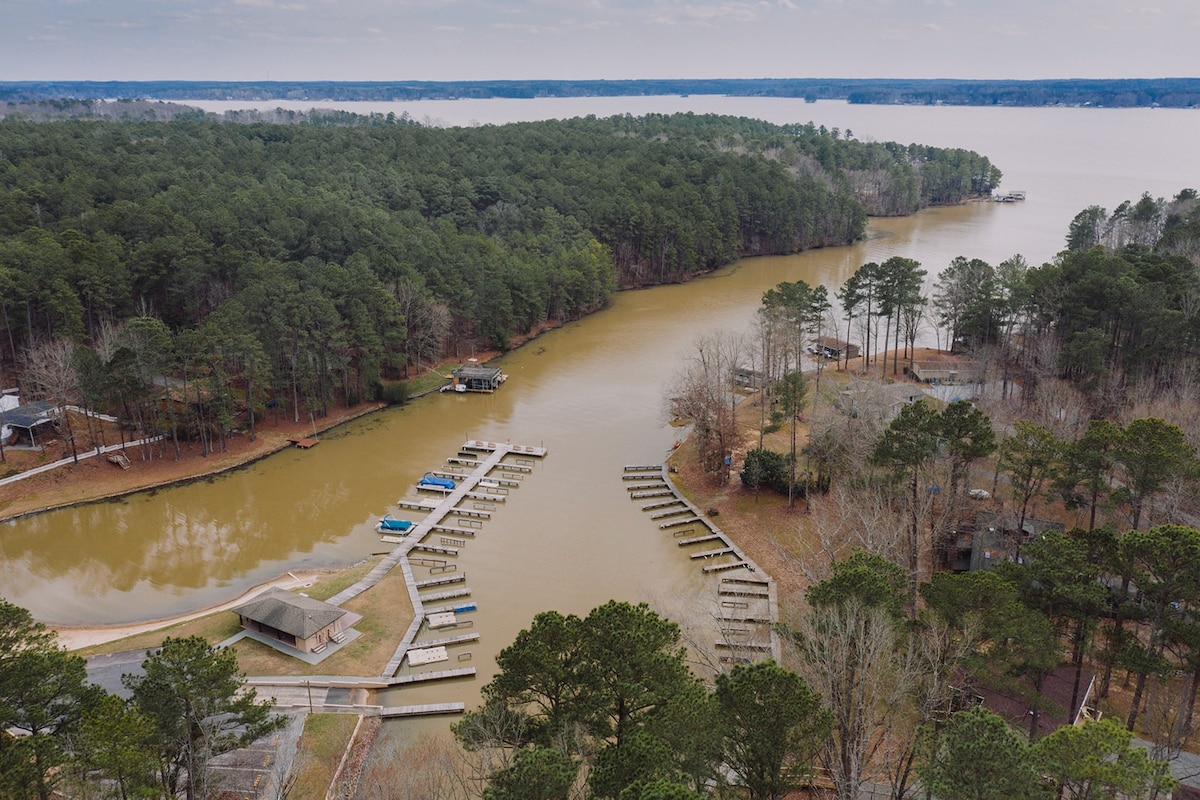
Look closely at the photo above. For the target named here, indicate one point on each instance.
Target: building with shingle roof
(296, 620)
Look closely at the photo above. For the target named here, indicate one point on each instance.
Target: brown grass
(321, 747)
(387, 613)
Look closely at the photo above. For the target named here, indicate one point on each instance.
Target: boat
(429, 479)
(390, 525)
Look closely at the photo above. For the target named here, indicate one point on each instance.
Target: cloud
(708, 14)
(524, 28)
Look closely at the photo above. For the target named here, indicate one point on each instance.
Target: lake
(591, 392)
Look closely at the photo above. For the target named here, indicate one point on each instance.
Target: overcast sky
(391, 40)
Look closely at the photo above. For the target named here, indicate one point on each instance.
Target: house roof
(1008, 522)
(894, 392)
(950, 362)
(1016, 704)
(30, 415)
(297, 614)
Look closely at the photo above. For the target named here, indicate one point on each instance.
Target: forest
(1110, 93)
(289, 267)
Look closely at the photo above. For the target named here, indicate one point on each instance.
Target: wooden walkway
(487, 457)
(422, 711)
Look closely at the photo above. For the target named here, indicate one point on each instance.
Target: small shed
(834, 348)
(477, 378)
(28, 420)
(295, 619)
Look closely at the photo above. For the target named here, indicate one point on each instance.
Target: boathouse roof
(476, 372)
(297, 614)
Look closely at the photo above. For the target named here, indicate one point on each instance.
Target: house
(882, 400)
(295, 620)
(476, 378)
(27, 422)
(834, 348)
(748, 377)
(945, 368)
(993, 538)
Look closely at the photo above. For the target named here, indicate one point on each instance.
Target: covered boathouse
(834, 348)
(476, 378)
(296, 620)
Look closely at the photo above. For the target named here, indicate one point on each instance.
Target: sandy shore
(78, 637)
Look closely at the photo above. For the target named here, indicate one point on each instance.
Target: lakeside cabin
(24, 423)
(749, 378)
(476, 378)
(882, 401)
(295, 620)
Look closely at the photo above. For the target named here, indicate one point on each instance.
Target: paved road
(106, 670)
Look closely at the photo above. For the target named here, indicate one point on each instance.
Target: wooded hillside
(313, 259)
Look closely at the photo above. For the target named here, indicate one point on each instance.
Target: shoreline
(77, 637)
(253, 456)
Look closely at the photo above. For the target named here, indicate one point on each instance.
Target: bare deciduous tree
(49, 371)
(849, 651)
(704, 393)
(427, 322)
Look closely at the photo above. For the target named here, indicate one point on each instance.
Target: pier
(483, 458)
(426, 710)
(749, 599)
(454, 520)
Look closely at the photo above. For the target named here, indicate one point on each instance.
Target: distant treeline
(1121, 93)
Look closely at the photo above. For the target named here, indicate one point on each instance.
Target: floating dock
(427, 710)
(491, 468)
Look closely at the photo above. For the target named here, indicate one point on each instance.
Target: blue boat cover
(433, 480)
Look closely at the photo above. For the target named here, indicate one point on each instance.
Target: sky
(396, 40)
